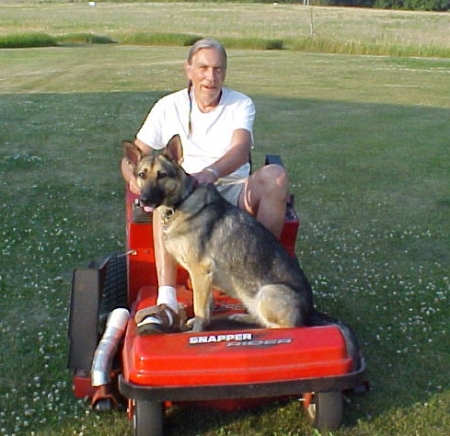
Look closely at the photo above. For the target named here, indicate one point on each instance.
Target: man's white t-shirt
(211, 131)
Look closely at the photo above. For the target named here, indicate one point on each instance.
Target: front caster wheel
(325, 410)
(148, 418)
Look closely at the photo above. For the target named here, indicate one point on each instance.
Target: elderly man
(215, 124)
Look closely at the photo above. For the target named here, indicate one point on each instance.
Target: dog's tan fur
(220, 245)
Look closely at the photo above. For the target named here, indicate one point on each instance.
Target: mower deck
(237, 362)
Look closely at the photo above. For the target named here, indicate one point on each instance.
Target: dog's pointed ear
(174, 150)
(132, 152)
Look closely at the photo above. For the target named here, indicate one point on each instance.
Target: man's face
(207, 73)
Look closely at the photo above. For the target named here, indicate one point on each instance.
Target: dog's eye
(142, 175)
(161, 175)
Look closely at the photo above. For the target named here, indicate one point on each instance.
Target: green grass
(365, 141)
(239, 25)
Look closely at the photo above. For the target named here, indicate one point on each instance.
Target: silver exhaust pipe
(107, 347)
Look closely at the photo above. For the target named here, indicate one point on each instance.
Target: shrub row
(308, 44)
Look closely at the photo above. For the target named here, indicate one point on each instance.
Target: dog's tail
(321, 319)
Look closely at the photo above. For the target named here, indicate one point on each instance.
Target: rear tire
(325, 410)
(148, 418)
(115, 288)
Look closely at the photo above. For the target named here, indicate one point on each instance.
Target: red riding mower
(227, 367)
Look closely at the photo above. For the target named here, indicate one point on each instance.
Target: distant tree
(388, 4)
(354, 3)
(428, 5)
(415, 5)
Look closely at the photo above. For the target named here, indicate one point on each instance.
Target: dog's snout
(143, 198)
(151, 197)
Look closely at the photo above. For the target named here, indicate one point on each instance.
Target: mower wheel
(114, 290)
(325, 410)
(103, 405)
(148, 418)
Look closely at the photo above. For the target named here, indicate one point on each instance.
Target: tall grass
(27, 40)
(287, 26)
(318, 45)
(165, 39)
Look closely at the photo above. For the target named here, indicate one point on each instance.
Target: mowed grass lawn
(365, 141)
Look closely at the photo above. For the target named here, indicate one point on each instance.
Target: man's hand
(205, 176)
(134, 188)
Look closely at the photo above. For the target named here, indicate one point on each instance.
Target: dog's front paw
(196, 324)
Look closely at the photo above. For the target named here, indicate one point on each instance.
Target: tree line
(411, 5)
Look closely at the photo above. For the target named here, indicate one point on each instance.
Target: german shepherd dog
(220, 245)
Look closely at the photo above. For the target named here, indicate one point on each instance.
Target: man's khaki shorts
(231, 189)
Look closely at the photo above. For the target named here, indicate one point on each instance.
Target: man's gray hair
(206, 43)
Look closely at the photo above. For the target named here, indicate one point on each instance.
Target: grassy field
(319, 29)
(365, 141)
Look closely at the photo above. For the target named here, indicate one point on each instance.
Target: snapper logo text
(236, 340)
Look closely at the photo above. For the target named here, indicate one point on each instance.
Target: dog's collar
(168, 212)
(167, 215)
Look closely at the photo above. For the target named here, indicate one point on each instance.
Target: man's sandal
(157, 319)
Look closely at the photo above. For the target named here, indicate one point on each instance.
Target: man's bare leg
(264, 196)
(166, 267)
(163, 317)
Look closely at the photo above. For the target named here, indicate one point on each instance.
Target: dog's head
(161, 179)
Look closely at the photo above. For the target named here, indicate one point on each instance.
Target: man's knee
(268, 185)
(273, 179)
